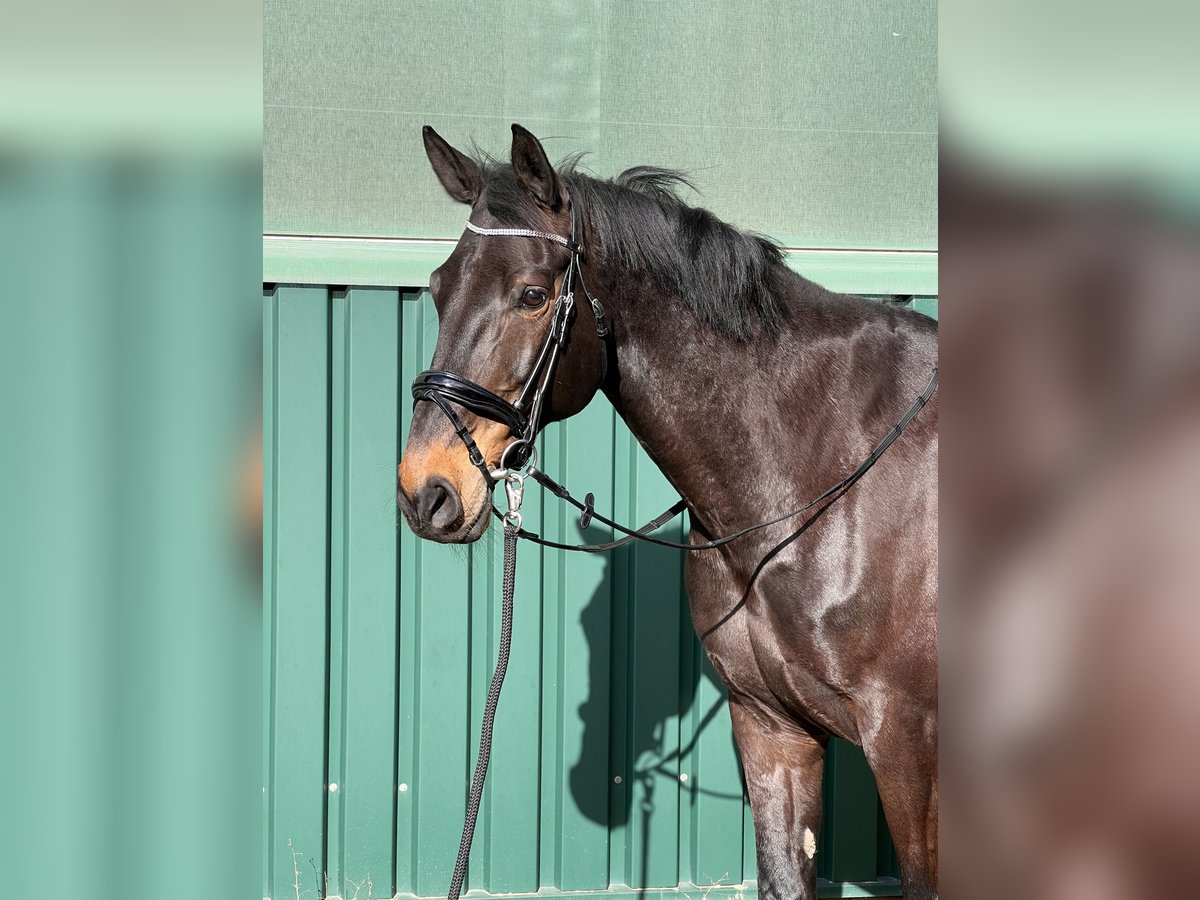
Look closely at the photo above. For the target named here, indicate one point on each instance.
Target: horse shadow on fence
(635, 634)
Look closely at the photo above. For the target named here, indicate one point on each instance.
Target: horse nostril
(438, 505)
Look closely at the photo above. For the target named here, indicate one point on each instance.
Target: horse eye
(533, 297)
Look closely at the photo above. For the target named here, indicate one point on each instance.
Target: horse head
(499, 306)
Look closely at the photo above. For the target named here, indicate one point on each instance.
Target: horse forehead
(474, 265)
(468, 296)
(483, 267)
(469, 321)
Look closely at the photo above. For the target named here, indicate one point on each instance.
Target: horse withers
(752, 389)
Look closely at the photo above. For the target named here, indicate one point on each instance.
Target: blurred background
(130, 214)
(130, 250)
(1069, 214)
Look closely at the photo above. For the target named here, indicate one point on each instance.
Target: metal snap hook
(514, 489)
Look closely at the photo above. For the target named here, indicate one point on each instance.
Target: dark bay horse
(753, 390)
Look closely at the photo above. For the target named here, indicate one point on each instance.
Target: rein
(524, 419)
(588, 512)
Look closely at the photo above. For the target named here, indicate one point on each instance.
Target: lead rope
(512, 525)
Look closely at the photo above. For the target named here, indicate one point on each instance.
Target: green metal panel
(413, 353)
(297, 473)
(441, 738)
(648, 580)
(613, 769)
(363, 612)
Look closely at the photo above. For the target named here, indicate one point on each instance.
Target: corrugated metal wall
(613, 763)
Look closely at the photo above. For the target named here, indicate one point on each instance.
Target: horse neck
(695, 398)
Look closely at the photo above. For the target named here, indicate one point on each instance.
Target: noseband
(524, 416)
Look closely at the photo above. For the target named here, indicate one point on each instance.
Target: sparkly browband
(524, 232)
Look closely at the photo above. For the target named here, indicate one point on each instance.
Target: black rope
(489, 712)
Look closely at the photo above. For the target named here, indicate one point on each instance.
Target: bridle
(524, 416)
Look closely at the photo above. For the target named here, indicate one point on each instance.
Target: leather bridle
(523, 416)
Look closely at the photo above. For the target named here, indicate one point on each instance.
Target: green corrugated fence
(613, 767)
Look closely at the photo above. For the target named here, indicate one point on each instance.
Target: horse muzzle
(442, 497)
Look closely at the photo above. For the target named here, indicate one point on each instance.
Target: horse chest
(793, 678)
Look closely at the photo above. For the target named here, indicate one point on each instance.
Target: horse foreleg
(903, 756)
(783, 766)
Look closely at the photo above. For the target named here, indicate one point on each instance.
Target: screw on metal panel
(617, 780)
(403, 788)
(333, 788)
(683, 776)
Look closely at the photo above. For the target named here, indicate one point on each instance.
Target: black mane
(723, 275)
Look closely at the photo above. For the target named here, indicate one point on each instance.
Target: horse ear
(533, 168)
(458, 173)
